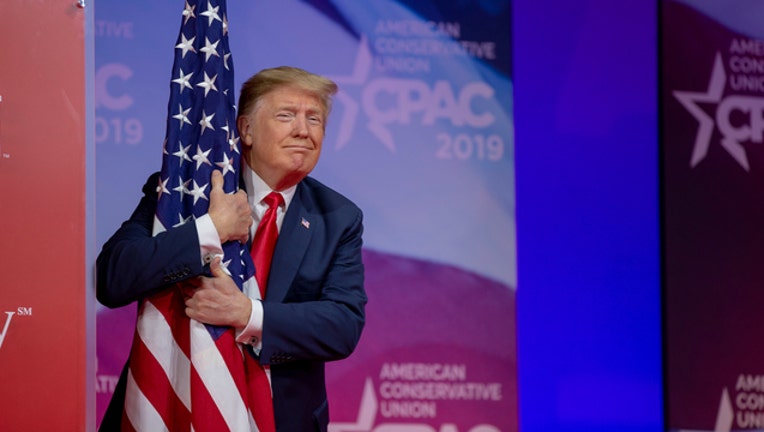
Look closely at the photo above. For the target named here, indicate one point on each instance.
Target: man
(313, 311)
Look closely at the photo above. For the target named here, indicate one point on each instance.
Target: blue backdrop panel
(586, 116)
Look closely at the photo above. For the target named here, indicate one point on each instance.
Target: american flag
(185, 375)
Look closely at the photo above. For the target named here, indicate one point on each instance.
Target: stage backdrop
(421, 138)
(713, 121)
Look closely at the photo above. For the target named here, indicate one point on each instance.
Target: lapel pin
(305, 223)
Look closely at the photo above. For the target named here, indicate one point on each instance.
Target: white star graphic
(725, 417)
(359, 76)
(182, 80)
(210, 49)
(211, 13)
(225, 25)
(201, 157)
(690, 101)
(182, 116)
(208, 84)
(198, 192)
(188, 13)
(205, 122)
(226, 164)
(366, 413)
(186, 45)
(182, 153)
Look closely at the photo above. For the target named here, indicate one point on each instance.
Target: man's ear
(245, 132)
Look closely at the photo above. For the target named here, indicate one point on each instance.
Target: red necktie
(261, 402)
(265, 241)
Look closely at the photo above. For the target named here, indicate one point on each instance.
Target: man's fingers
(241, 194)
(217, 180)
(216, 269)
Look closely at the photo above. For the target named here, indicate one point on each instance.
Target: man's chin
(302, 163)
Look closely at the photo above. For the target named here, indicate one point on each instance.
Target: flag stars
(205, 122)
(201, 157)
(162, 187)
(233, 142)
(208, 84)
(181, 220)
(188, 13)
(198, 192)
(210, 49)
(193, 135)
(186, 45)
(183, 80)
(225, 265)
(242, 263)
(226, 56)
(226, 165)
(182, 187)
(182, 116)
(211, 13)
(182, 153)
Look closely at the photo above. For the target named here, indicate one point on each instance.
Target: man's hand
(230, 213)
(216, 300)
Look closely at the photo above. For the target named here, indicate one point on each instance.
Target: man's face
(282, 137)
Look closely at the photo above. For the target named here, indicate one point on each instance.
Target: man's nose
(300, 126)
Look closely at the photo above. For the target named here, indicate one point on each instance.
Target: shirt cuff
(253, 332)
(209, 240)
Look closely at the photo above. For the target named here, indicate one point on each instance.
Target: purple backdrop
(423, 122)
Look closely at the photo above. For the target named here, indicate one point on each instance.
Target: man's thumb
(216, 269)
(217, 180)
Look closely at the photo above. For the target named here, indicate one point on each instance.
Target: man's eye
(314, 120)
(284, 116)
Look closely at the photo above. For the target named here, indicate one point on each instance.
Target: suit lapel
(296, 231)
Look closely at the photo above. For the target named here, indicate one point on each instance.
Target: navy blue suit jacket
(313, 309)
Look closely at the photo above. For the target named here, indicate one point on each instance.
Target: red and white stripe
(180, 378)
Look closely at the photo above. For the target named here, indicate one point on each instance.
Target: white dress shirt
(210, 246)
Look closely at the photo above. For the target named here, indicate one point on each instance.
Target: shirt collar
(257, 189)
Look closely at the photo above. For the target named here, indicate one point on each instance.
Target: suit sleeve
(134, 264)
(329, 327)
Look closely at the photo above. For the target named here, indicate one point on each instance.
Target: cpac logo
(103, 97)
(387, 101)
(746, 410)
(733, 135)
(367, 414)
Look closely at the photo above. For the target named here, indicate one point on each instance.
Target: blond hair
(267, 80)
